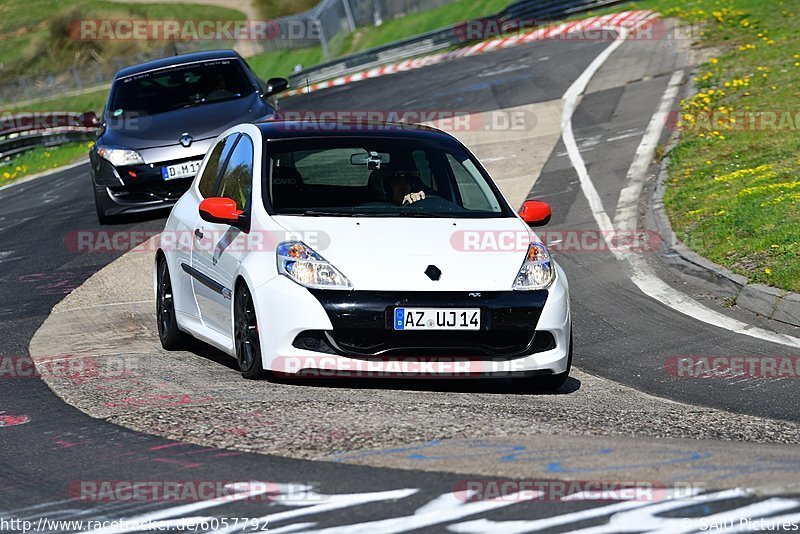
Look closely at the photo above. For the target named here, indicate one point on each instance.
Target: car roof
(282, 129)
(171, 61)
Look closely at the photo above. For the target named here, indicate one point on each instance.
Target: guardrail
(25, 131)
(526, 10)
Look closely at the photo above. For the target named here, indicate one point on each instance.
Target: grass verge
(93, 101)
(734, 192)
(281, 63)
(36, 36)
(42, 159)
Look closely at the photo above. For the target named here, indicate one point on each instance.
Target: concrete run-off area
(114, 369)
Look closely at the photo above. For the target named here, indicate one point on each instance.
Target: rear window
(179, 87)
(381, 176)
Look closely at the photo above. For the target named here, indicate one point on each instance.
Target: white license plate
(181, 170)
(437, 319)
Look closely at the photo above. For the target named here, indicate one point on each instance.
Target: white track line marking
(639, 271)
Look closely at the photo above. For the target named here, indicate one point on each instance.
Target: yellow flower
(714, 61)
(768, 270)
(775, 246)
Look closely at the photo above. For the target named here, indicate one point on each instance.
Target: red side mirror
(536, 212)
(220, 210)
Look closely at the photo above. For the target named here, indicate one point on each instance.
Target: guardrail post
(349, 12)
(323, 41)
(78, 81)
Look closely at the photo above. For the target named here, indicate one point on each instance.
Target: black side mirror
(275, 85)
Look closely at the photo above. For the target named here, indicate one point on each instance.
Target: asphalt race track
(620, 334)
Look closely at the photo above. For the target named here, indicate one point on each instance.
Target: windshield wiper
(320, 213)
(193, 104)
(423, 214)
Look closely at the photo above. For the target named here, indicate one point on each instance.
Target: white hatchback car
(308, 248)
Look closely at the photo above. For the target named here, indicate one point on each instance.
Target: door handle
(198, 233)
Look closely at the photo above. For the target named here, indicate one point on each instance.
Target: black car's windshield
(377, 176)
(179, 87)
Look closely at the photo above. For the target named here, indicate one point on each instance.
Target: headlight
(537, 271)
(300, 263)
(118, 156)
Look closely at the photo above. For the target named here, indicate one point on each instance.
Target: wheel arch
(157, 260)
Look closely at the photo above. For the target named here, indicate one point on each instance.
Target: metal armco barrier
(24, 131)
(524, 10)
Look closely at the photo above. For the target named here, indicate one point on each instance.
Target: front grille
(152, 191)
(388, 343)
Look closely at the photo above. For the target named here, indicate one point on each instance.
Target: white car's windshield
(378, 176)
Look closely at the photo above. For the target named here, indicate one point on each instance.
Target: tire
(169, 334)
(548, 382)
(102, 218)
(245, 335)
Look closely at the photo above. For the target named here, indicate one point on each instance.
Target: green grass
(734, 189)
(278, 8)
(42, 159)
(281, 63)
(34, 36)
(421, 22)
(93, 101)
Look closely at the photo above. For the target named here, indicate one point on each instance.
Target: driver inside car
(397, 185)
(401, 184)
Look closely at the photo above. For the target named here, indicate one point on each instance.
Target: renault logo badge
(186, 139)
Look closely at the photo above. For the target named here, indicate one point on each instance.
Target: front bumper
(324, 332)
(136, 188)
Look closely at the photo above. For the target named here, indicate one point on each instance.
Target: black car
(159, 121)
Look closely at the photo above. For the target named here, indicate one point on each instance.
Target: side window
(237, 180)
(208, 180)
(475, 194)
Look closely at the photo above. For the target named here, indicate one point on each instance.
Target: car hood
(165, 129)
(392, 254)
